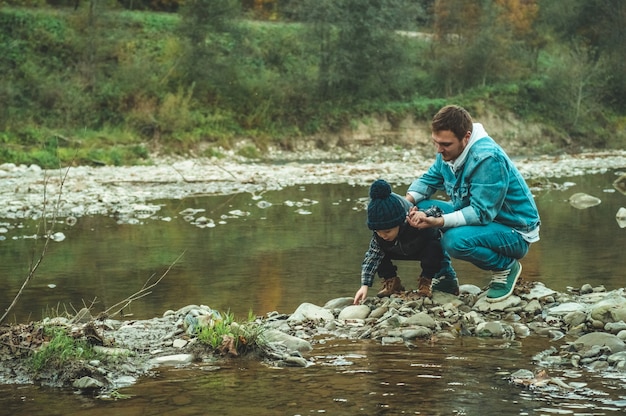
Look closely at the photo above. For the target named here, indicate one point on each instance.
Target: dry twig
(144, 291)
(47, 233)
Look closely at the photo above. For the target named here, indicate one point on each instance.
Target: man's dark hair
(453, 118)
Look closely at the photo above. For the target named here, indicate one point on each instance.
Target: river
(303, 243)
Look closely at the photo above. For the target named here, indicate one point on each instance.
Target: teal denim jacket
(486, 188)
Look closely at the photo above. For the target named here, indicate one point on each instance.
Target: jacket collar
(478, 132)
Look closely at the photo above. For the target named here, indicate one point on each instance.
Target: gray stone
(617, 357)
(620, 217)
(523, 374)
(421, 319)
(87, 383)
(538, 291)
(532, 307)
(309, 311)
(442, 298)
(293, 361)
(354, 312)
(598, 366)
(378, 312)
(124, 381)
(586, 288)
(290, 342)
(111, 350)
(581, 200)
(417, 332)
(601, 339)
(490, 329)
(615, 327)
(520, 329)
(392, 340)
(176, 359)
(483, 305)
(604, 310)
(619, 313)
(575, 318)
(179, 343)
(339, 303)
(565, 308)
(469, 289)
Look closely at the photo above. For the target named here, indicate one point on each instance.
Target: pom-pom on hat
(385, 209)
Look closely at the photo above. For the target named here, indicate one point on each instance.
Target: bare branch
(47, 234)
(144, 291)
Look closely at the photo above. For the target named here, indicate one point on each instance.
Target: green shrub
(244, 336)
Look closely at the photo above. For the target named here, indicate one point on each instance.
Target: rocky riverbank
(586, 325)
(129, 192)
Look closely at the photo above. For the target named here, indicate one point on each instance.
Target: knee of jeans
(453, 246)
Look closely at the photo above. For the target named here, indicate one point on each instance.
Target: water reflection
(277, 257)
(463, 377)
(304, 244)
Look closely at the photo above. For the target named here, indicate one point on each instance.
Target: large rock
(610, 309)
(483, 305)
(601, 339)
(565, 308)
(290, 342)
(309, 311)
(583, 201)
(355, 312)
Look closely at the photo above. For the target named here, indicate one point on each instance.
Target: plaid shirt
(373, 257)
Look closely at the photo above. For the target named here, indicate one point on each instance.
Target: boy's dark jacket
(410, 242)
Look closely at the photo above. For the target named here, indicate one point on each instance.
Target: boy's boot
(390, 286)
(424, 287)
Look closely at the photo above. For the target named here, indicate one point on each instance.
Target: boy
(395, 239)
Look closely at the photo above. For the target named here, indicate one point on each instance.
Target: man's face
(448, 145)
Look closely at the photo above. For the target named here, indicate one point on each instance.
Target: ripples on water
(305, 245)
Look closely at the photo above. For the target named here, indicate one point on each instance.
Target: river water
(276, 251)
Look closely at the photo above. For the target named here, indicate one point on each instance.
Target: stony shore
(29, 191)
(586, 325)
(588, 321)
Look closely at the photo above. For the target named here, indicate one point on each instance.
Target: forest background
(114, 82)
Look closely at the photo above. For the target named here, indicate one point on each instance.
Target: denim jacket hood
(483, 183)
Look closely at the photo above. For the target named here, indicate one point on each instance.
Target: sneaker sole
(503, 297)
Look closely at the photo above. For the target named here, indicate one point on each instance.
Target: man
(491, 218)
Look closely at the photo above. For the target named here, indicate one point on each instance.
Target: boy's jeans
(490, 247)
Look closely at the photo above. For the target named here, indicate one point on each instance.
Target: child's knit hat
(385, 209)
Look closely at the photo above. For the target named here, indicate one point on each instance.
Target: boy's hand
(360, 295)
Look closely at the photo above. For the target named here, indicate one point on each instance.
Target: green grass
(60, 350)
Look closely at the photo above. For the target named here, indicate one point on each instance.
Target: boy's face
(449, 145)
(390, 234)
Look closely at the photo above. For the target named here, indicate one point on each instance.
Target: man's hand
(360, 295)
(418, 219)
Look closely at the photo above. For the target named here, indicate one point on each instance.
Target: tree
(482, 42)
(599, 26)
(209, 30)
(360, 53)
